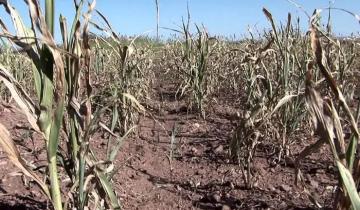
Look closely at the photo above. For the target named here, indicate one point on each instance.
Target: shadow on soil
(205, 198)
(17, 202)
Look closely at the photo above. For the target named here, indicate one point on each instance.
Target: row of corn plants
(63, 111)
(273, 77)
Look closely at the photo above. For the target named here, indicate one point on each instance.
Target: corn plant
(130, 72)
(326, 119)
(286, 79)
(63, 88)
(193, 65)
(273, 77)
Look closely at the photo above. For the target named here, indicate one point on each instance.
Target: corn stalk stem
(55, 124)
(157, 19)
(50, 14)
(52, 155)
(81, 181)
(55, 186)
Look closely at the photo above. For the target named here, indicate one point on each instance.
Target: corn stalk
(329, 127)
(58, 81)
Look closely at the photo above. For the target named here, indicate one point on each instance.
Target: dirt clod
(285, 187)
(225, 207)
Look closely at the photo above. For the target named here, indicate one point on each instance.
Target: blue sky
(221, 17)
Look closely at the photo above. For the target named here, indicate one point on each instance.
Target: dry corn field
(193, 122)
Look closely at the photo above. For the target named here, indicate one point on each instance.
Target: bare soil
(199, 174)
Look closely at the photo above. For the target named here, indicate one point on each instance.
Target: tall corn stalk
(58, 81)
(287, 77)
(130, 70)
(273, 76)
(157, 18)
(195, 52)
(326, 119)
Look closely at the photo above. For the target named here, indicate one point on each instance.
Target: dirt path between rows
(194, 172)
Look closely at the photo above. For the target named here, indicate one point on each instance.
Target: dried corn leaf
(22, 99)
(11, 150)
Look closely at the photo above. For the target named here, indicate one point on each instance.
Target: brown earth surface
(199, 175)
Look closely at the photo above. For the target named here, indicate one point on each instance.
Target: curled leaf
(14, 156)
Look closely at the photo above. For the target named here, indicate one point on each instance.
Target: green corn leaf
(107, 186)
(115, 117)
(75, 21)
(349, 184)
(116, 148)
(52, 155)
(351, 152)
(47, 97)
